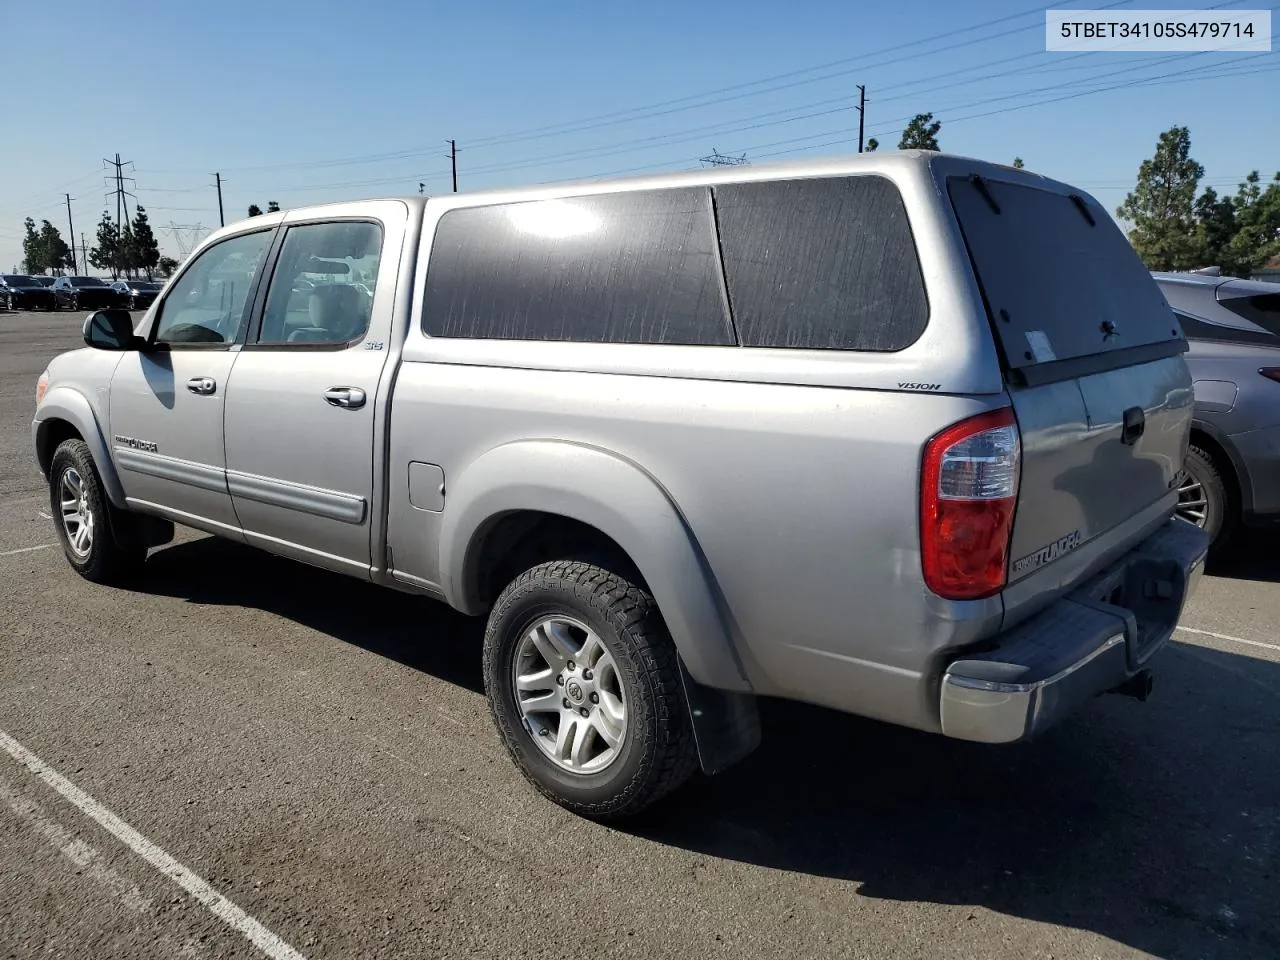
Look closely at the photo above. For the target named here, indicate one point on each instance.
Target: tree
(106, 255)
(32, 255)
(873, 145)
(1215, 226)
(166, 266)
(921, 133)
(1161, 206)
(1257, 221)
(44, 249)
(273, 207)
(255, 210)
(57, 255)
(143, 248)
(1017, 163)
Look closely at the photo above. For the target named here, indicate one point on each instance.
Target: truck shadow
(1154, 825)
(409, 629)
(1254, 555)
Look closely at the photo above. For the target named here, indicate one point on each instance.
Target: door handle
(348, 397)
(1133, 426)
(202, 385)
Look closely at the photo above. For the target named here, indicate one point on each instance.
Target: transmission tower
(718, 159)
(186, 236)
(117, 181)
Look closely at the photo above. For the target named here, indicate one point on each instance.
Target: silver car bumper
(1096, 639)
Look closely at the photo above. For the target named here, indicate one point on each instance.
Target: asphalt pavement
(247, 757)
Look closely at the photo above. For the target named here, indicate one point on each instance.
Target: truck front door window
(207, 303)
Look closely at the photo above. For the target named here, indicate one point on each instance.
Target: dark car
(85, 293)
(19, 292)
(1232, 471)
(137, 294)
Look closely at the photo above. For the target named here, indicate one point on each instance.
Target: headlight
(42, 386)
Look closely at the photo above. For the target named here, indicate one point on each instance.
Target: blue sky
(284, 96)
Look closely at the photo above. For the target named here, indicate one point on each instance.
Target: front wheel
(584, 686)
(80, 509)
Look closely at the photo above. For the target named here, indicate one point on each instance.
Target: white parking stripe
(1230, 639)
(226, 911)
(10, 553)
(84, 856)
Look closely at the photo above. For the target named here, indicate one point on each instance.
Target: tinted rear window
(826, 264)
(621, 268)
(1263, 310)
(1057, 287)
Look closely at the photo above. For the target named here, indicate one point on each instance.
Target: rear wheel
(584, 686)
(1204, 497)
(81, 512)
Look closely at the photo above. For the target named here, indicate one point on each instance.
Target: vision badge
(1048, 553)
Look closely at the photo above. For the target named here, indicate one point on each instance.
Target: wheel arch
(599, 497)
(65, 414)
(1225, 458)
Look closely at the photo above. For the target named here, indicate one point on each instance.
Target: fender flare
(68, 404)
(620, 499)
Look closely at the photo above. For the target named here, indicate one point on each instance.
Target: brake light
(1271, 373)
(969, 488)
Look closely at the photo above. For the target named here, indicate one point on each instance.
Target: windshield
(15, 280)
(86, 282)
(1057, 285)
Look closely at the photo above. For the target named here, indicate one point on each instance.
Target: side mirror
(111, 330)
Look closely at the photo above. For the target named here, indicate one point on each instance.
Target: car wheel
(81, 512)
(1205, 499)
(584, 687)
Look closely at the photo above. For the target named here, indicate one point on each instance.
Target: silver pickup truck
(897, 434)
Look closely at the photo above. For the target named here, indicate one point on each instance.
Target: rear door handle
(202, 385)
(348, 397)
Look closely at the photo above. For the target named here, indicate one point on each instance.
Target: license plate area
(1148, 593)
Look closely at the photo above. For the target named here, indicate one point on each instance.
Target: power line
(658, 109)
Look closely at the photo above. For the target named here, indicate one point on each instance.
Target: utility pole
(862, 113)
(71, 232)
(217, 179)
(453, 161)
(84, 250)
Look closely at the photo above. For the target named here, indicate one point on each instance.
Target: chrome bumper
(1091, 641)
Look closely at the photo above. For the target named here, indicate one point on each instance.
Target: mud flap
(726, 724)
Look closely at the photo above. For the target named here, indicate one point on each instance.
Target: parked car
(1232, 474)
(136, 294)
(20, 292)
(84, 293)
(685, 440)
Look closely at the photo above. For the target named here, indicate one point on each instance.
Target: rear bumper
(1091, 641)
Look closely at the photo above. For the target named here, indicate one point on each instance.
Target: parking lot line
(1231, 639)
(10, 553)
(269, 943)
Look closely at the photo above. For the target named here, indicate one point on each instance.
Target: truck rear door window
(826, 264)
(634, 267)
(1060, 279)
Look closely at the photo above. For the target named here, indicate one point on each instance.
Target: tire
(655, 753)
(1205, 499)
(101, 559)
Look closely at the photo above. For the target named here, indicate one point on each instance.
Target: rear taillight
(1271, 373)
(969, 487)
